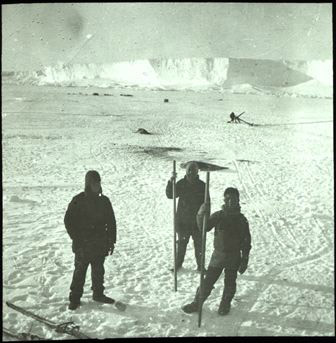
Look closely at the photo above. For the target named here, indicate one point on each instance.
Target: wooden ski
(69, 328)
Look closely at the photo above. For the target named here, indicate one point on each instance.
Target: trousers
(182, 242)
(211, 277)
(82, 263)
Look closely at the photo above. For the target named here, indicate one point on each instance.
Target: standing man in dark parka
(91, 224)
(190, 192)
(232, 245)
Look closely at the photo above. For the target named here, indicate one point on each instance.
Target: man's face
(231, 200)
(95, 186)
(192, 172)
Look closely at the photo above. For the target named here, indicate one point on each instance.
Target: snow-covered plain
(284, 170)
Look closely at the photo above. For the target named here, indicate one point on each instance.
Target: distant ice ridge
(138, 73)
(191, 72)
(177, 74)
(320, 70)
(245, 76)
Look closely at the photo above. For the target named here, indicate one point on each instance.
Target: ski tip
(120, 306)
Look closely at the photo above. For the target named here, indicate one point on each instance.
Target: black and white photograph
(167, 170)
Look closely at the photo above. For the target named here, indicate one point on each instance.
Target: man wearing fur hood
(232, 245)
(90, 223)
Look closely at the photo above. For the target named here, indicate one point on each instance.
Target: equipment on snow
(234, 118)
(69, 327)
(251, 124)
(23, 336)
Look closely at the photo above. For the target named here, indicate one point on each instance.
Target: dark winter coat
(232, 240)
(190, 198)
(90, 223)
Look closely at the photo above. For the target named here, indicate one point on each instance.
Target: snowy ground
(284, 172)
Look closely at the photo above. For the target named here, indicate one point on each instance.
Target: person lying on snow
(91, 224)
(190, 191)
(232, 245)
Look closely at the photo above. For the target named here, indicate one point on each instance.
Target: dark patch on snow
(15, 198)
(160, 152)
(248, 161)
(155, 150)
(143, 131)
(204, 166)
(126, 95)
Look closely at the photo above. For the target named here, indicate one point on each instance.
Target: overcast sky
(36, 35)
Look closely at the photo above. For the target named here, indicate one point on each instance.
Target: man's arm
(246, 239)
(169, 189)
(245, 246)
(71, 219)
(212, 221)
(111, 224)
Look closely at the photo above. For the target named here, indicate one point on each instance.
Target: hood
(91, 176)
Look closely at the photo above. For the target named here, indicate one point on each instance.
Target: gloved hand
(110, 250)
(204, 209)
(173, 177)
(243, 265)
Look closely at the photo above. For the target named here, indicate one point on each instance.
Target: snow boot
(193, 306)
(224, 307)
(102, 298)
(73, 305)
(74, 299)
(190, 308)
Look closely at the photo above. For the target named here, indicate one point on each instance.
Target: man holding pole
(190, 191)
(232, 244)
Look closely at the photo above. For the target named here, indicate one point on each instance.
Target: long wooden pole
(204, 230)
(174, 214)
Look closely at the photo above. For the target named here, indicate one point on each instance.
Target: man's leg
(78, 279)
(229, 291)
(182, 242)
(97, 275)
(197, 238)
(211, 276)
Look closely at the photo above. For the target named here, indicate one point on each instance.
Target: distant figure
(234, 118)
(166, 100)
